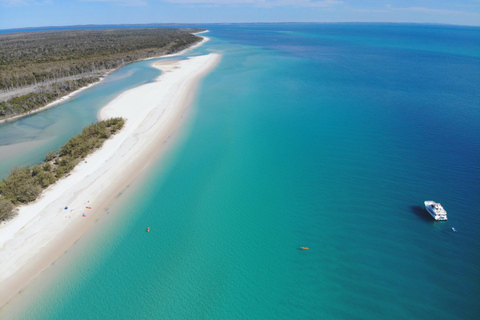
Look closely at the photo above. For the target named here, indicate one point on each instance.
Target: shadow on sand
(421, 213)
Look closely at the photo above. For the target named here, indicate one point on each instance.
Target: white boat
(436, 210)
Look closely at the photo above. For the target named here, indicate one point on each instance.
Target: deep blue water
(329, 136)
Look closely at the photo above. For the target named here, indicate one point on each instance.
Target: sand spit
(43, 230)
(76, 92)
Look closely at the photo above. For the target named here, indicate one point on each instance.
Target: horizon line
(237, 23)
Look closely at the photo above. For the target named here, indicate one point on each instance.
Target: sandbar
(72, 94)
(44, 229)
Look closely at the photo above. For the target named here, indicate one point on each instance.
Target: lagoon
(329, 136)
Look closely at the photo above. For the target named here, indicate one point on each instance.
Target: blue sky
(35, 13)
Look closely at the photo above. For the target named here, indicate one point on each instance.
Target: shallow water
(27, 140)
(327, 136)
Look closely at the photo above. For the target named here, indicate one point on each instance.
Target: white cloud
(263, 3)
(14, 3)
(432, 11)
(129, 3)
(390, 9)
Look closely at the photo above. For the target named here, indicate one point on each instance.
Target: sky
(37, 13)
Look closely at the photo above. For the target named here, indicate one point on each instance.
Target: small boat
(148, 229)
(454, 230)
(304, 248)
(436, 210)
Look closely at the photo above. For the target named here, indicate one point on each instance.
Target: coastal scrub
(24, 184)
(39, 67)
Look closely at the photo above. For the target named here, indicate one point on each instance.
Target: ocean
(328, 136)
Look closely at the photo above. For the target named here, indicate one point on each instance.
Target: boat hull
(429, 206)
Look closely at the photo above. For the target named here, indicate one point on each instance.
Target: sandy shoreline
(74, 93)
(58, 101)
(44, 230)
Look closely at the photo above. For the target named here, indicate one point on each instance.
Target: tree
(7, 209)
(19, 187)
(50, 155)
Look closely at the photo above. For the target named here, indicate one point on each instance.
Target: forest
(24, 184)
(39, 67)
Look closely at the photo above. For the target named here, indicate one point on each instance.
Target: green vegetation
(7, 209)
(39, 67)
(43, 95)
(24, 184)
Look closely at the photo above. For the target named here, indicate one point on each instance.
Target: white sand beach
(43, 230)
(76, 92)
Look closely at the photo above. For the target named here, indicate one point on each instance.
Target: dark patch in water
(421, 213)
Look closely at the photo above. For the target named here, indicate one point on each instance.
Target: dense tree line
(24, 184)
(46, 58)
(42, 96)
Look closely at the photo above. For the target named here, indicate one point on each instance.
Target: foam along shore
(43, 230)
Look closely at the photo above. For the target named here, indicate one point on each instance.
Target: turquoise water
(327, 136)
(27, 140)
